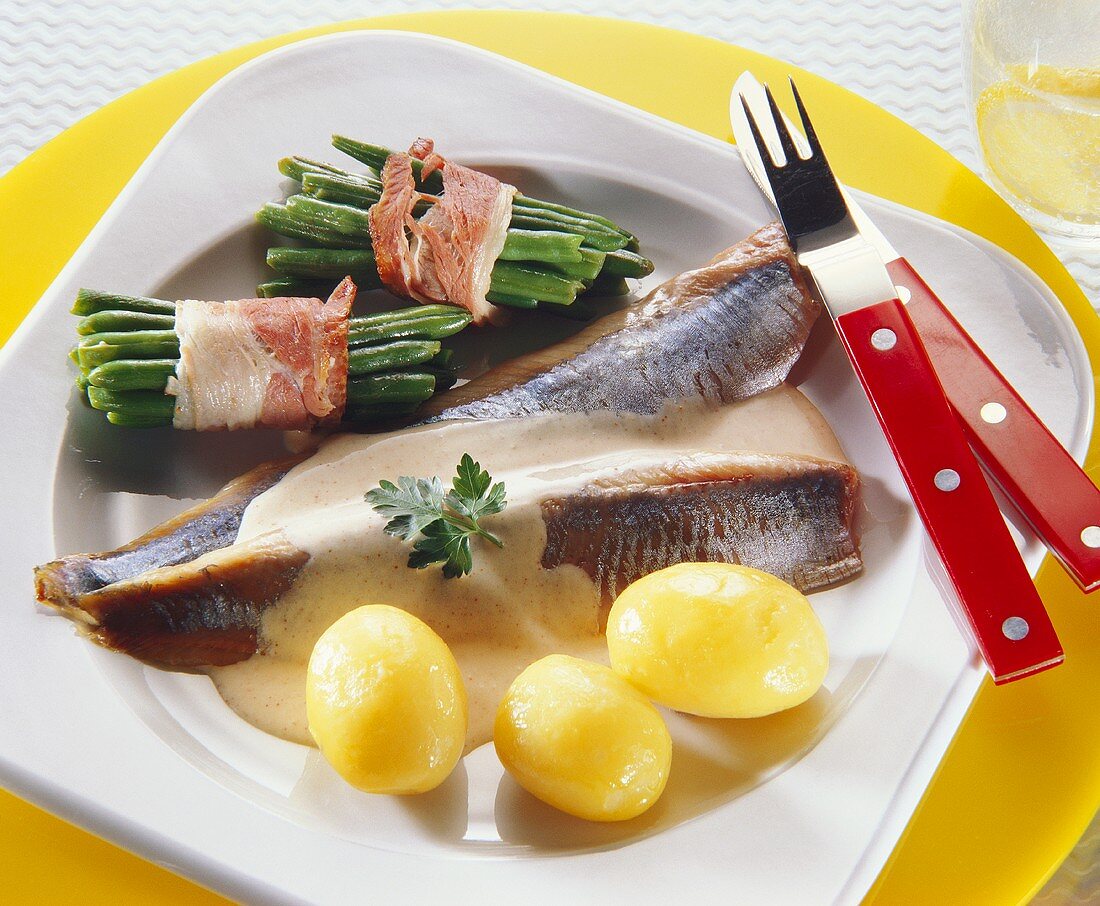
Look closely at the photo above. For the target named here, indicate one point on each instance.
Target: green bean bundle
(128, 349)
(552, 253)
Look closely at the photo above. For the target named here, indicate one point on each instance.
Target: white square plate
(804, 807)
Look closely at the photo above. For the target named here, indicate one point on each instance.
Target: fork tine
(785, 140)
(765, 155)
(807, 126)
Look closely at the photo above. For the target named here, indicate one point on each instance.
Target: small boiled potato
(582, 739)
(718, 640)
(386, 702)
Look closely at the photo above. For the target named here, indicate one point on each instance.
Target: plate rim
(138, 177)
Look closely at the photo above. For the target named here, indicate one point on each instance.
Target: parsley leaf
(444, 520)
(412, 504)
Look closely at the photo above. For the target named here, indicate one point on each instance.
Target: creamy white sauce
(509, 611)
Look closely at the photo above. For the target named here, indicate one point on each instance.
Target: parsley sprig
(445, 520)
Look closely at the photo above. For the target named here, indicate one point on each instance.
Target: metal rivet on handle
(947, 479)
(994, 413)
(883, 338)
(1015, 628)
(1090, 536)
(903, 294)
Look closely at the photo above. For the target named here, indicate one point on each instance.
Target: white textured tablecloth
(62, 59)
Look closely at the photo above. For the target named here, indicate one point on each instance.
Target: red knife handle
(1042, 480)
(997, 597)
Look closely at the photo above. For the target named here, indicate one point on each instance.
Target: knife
(1012, 443)
(994, 593)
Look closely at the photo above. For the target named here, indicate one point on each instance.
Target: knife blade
(1009, 439)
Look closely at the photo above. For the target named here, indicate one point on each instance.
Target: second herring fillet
(724, 332)
(790, 516)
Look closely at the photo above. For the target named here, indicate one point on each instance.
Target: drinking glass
(1033, 68)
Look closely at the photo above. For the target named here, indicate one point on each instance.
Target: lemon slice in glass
(1040, 133)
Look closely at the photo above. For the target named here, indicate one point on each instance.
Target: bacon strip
(272, 363)
(454, 246)
(423, 149)
(388, 218)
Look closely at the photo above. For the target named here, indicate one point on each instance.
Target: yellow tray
(1021, 780)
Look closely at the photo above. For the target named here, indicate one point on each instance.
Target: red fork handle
(1042, 480)
(997, 597)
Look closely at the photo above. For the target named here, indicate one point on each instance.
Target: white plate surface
(803, 807)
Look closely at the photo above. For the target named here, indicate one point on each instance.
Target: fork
(995, 597)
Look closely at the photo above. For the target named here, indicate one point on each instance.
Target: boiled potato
(582, 739)
(718, 640)
(386, 702)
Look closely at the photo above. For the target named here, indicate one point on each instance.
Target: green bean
(537, 204)
(588, 268)
(541, 245)
(120, 319)
(590, 227)
(418, 327)
(307, 289)
(296, 167)
(89, 357)
(126, 374)
(335, 263)
(329, 187)
(510, 300)
(339, 218)
(358, 192)
(400, 314)
(278, 218)
(90, 301)
(398, 354)
(442, 359)
(307, 262)
(148, 403)
(623, 263)
(97, 348)
(125, 420)
(392, 387)
(445, 378)
(605, 241)
(129, 337)
(518, 280)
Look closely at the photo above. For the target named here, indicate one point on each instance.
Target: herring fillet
(205, 613)
(790, 515)
(209, 526)
(724, 332)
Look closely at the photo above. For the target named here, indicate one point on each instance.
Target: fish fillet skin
(209, 526)
(793, 517)
(723, 332)
(203, 613)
